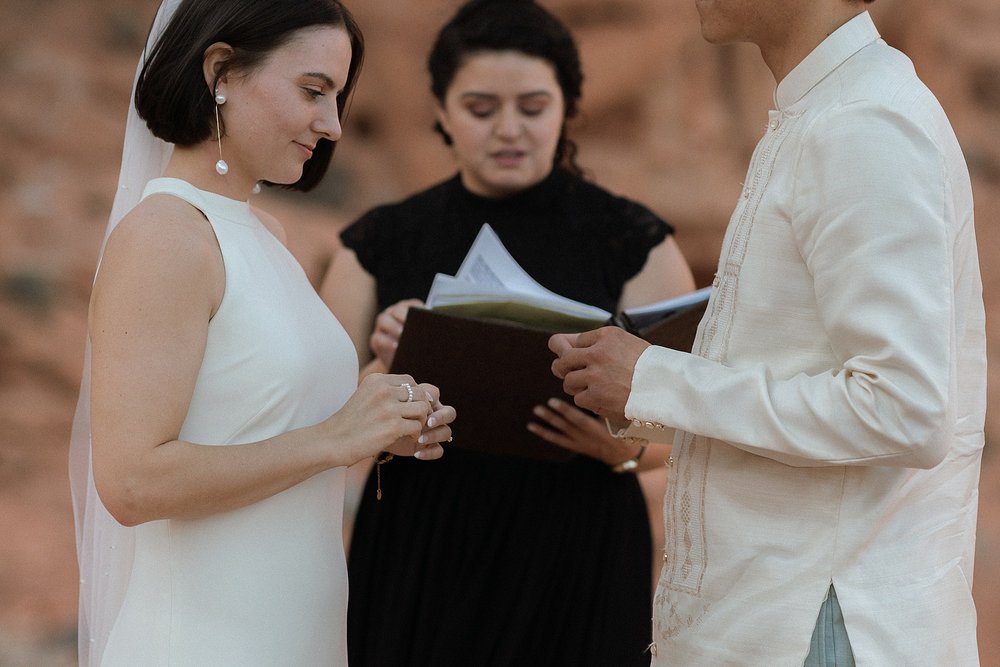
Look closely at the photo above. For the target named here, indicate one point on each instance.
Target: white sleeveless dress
(265, 584)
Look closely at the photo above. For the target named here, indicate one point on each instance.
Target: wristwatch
(632, 463)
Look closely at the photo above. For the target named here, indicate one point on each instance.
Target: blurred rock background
(666, 119)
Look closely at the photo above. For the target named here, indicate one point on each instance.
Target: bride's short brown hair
(171, 95)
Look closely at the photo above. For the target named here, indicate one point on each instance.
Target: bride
(219, 403)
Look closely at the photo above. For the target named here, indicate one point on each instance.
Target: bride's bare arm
(160, 281)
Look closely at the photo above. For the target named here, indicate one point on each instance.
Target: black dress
(479, 559)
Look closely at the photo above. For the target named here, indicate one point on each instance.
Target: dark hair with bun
(510, 25)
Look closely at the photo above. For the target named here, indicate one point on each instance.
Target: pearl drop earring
(221, 166)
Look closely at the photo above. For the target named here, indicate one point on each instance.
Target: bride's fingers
(432, 392)
(434, 435)
(429, 452)
(444, 414)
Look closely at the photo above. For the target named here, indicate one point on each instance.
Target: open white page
(642, 316)
(489, 274)
(488, 262)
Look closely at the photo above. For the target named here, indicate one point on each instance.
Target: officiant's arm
(351, 293)
(665, 274)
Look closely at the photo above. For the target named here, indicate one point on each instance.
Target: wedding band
(449, 439)
(409, 391)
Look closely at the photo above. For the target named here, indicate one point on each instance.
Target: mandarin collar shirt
(829, 423)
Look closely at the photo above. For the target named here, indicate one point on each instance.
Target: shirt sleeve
(873, 221)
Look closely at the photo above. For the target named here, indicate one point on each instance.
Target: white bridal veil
(104, 547)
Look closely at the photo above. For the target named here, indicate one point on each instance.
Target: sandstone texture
(666, 119)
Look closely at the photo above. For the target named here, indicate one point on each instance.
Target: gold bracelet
(380, 458)
(632, 463)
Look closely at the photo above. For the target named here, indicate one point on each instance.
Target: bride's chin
(288, 178)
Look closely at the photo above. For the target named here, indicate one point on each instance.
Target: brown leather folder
(495, 372)
(492, 372)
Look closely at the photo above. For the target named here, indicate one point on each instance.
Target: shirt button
(774, 125)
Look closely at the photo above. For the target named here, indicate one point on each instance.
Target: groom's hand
(596, 368)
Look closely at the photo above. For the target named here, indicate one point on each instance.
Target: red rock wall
(666, 119)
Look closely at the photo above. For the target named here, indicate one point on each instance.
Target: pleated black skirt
(477, 559)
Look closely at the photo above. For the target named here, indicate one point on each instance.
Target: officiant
(486, 558)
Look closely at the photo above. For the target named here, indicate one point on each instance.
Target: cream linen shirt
(830, 421)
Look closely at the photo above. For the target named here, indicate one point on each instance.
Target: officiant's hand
(388, 327)
(596, 368)
(569, 427)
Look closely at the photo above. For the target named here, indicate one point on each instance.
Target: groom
(821, 506)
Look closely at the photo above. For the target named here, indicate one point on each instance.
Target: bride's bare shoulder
(164, 224)
(164, 243)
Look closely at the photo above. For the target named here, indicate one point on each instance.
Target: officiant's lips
(509, 158)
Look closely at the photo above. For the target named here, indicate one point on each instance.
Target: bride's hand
(388, 327)
(382, 411)
(436, 429)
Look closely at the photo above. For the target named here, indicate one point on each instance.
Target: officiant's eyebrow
(520, 96)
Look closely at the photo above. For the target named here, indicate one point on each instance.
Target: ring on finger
(409, 391)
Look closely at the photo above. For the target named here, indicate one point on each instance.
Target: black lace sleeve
(364, 237)
(634, 232)
(398, 244)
